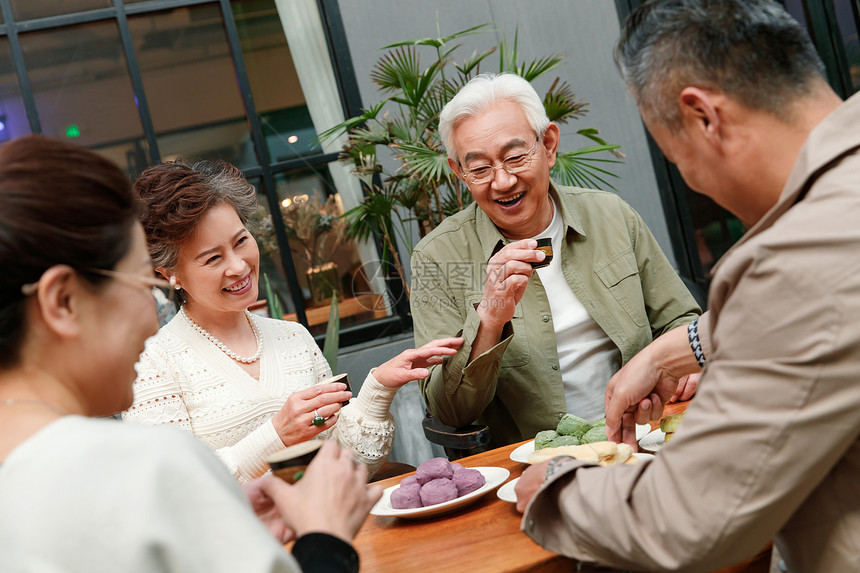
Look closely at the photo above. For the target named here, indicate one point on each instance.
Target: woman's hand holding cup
(332, 497)
(294, 422)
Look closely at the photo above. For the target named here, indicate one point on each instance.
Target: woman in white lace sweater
(245, 385)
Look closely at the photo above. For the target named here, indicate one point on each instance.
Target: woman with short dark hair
(96, 495)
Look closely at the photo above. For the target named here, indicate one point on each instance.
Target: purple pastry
(437, 491)
(406, 496)
(467, 481)
(455, 467)
(433, 469)
(409, 480)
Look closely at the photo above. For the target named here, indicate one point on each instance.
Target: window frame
(266, 169)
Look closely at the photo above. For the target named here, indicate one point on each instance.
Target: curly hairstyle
(175, 195)
(61, 204)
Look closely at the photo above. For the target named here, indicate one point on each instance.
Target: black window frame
(266, 169)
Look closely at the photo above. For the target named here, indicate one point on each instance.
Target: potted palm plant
(422, 188)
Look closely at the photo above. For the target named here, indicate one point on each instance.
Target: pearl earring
(173, 283)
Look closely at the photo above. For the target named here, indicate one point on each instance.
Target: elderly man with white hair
(539, 342)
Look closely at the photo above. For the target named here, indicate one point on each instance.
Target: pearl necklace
(223, 347)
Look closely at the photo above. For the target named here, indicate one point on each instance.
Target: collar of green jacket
(492, 240)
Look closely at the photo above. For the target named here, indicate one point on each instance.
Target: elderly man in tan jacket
(734, 94)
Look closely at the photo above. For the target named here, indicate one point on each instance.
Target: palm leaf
(561, 104)
(594, 149)
(376, 134)
(539, 67)
(593, 135)
(424, 162)
(431, 106)
(437, 42)
(369, 215)
(416, 91)
(572, 168)
(362, 156)
(473, 61)
(399, 130)
(508, 56)
(366, 115)
(396, 69)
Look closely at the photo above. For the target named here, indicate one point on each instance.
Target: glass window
(30, 9)
(716, 229)
(191, 86)
(284, 117)
(795, 8)
(13, 115)
(848, 19)
(271, 267)
(326, 261)
(83, 93)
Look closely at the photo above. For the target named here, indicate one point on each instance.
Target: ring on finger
(318, 420)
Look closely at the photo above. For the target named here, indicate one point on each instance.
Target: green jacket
(612, 263)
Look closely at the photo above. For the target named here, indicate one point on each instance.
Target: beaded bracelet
(695, 344)
(554, 464)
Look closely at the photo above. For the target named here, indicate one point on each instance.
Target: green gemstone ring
(318, 420)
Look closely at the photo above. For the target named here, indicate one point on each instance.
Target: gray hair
(752, 50)
(484, 91)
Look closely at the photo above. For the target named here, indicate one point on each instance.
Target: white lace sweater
(185, 381)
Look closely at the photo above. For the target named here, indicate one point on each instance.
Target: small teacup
(544, 245)
(344, 378)
(290, 463)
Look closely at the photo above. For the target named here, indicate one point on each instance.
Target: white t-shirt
(587, 357)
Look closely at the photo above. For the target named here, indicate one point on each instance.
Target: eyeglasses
(161, 290)
(513, 165)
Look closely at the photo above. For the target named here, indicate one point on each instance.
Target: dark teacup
(544, 245)
(343, 378)
(290, 463)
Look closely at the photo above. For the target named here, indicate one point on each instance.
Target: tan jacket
(769, 448)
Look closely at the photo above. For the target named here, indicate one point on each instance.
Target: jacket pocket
(620, 276)
(517, 352)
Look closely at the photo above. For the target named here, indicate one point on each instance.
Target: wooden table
(482, 537)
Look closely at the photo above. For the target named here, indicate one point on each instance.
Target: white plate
(506, 492)
(522, 453)
(653, 441)
(494, 477)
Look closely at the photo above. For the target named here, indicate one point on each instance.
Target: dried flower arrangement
(314, 227)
